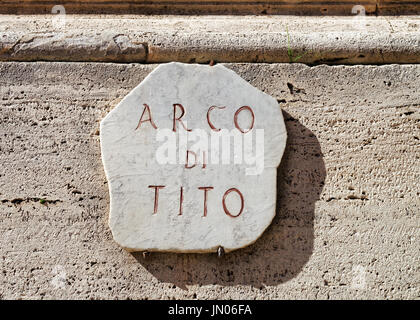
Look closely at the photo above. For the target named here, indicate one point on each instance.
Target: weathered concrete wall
(347, 224)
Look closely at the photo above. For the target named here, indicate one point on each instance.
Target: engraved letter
(156, 197)
(204, 160)
(208, 118)
(187, 166)
(224, 202)
(205, 198)
(146, 107)
(236, 119)
(175, 119)
(181, 199)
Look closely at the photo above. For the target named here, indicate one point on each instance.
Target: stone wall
(200, 39)
(347, 223)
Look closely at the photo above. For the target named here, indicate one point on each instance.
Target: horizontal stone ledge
(200, 39)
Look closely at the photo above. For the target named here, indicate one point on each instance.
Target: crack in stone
(30, 199)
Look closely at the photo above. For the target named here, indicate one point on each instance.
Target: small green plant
(42, 201)
(290, 53)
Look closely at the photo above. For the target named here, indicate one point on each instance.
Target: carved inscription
(189, 164)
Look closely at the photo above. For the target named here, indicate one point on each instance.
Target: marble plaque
(191, 157)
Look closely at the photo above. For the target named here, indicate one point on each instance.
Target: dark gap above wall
(205, 7)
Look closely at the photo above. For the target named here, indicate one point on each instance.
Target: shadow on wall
(283, 249)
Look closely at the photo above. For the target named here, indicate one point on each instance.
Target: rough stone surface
(157, 39)
(144, 218)
(348, 184)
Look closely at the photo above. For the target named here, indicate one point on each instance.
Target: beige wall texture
(347, 223)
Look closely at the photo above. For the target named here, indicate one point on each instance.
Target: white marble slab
(160, 203)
